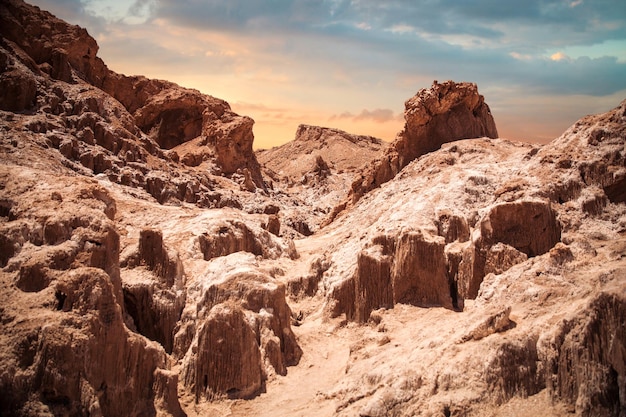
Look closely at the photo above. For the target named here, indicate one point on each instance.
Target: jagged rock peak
(321, 134)
(38, 49)
(443, 113)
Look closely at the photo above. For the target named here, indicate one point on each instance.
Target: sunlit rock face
(150, 265)
(443, 113)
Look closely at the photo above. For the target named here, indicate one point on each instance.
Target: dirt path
(302, 392)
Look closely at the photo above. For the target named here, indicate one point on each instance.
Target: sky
(351, 64)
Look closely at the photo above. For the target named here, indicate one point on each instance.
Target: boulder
(420, 275)
(231, 236)
(500, 257)
(225, 358)
(529, 226)
(411, 268)
(242, 333)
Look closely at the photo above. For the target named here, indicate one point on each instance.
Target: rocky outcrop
(529, 226)
(316, 169)
(416, 268)
(340, 151)
(509, 234)
(587, 366)
(141, 260)
(227, 359)
(409, 269)
(582, 363)
(51, 46)
(240, 334)
(441, 114)
(153, 278)
(39, 50)
(373, 281)
(18, 84)
(66, 314)
(229, 237)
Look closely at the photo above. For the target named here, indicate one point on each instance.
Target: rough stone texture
(528, 226)
(227, 359)
(318, 168)
(411, 270)
(589, 368)
(242, 332)
(73, 344)
(373, 281)
(17, 83)
(420, 274)
(151, 287)
(441, 114)
(509, 234)
(44, 49)
(225, 238)
(452, 227)
(501, 257)
(132, 264)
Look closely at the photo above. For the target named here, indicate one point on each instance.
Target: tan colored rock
(530, 227)
(339, 151)
(501, 257)
(373, 281)
(444, 113)
(167, 113)
(119, 294)
(229, 237)
(317, 169)
(514, 369)
(226, 358)
(409, 269)
(273, 225)
(497, 322)
(67, 50)
(588, 368)
(420, 274)
(242, 334)
(165, 389)
(452, 227)
(155, 255)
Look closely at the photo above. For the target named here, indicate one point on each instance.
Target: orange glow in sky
(351, 64)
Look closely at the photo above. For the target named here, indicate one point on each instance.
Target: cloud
(559, 56)
(300, 57)
(376, 115)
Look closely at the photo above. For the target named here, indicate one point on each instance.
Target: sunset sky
(351, 64)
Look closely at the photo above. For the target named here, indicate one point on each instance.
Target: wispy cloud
(376, 115)
(315, 59)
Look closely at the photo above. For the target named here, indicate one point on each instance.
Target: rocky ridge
(319, 166)
(443, 113)
(148, 267)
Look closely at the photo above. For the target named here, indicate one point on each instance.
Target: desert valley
(152, 263)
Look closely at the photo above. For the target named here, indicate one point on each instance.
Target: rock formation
(151, 115)
(318, 167)
(441, 114)
(148, 268)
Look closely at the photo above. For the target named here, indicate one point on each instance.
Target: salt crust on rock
(148, 267)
